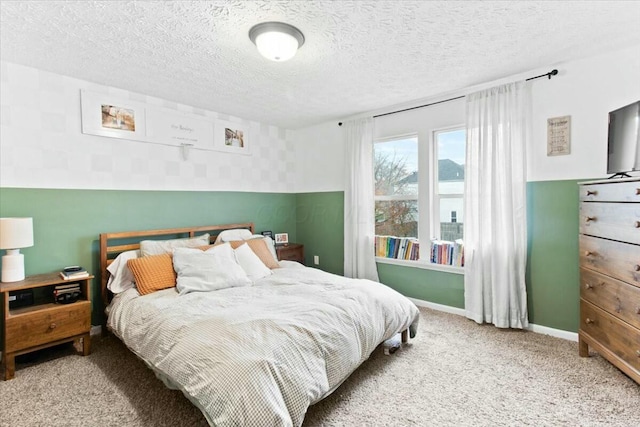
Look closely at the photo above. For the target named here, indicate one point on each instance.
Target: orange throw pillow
(153, 273)
(260, 248)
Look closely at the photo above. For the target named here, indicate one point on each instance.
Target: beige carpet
(455, 373)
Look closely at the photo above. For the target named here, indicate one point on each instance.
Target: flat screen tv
(624, 140)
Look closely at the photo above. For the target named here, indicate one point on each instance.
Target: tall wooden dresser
(610, 272)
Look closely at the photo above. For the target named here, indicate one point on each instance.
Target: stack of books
(74, 273)
(65, 294)
(405, 248)
(447, 253)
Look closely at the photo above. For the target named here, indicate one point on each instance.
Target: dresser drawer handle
(589, 218)
(637, 191)
(638, 353)
(589, 253)
(636, 267)
(594, 192)
(588, 286)
(637, 310)
(637, 224)
(588, 321)
(53, 326)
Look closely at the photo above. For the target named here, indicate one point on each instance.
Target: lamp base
(13, 266)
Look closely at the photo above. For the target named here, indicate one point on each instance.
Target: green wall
(552, 264)
(320, 226)
(67, 223)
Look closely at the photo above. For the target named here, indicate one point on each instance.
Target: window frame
(428, 201)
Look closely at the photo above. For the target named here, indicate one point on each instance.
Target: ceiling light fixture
(276, 41)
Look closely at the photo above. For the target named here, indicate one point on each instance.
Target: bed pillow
(157, 247)
(259, 247)
(233, 234)
(210, 270)
(250, 263)
(269, 242)
(121, 278)
(152, 273)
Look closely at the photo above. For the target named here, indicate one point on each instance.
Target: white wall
(42, 146)
(586, 90)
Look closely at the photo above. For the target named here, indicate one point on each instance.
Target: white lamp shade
(16, 233)
(276, 46)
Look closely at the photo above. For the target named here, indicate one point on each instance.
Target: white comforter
(260, 355)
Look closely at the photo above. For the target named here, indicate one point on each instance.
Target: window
(396, 187)
(449, 146)
(410, 209)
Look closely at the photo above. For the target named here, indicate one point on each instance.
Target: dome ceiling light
(276, 41)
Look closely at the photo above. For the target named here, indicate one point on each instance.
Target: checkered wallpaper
(42, 146)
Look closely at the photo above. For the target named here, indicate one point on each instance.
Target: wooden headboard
(112, 244)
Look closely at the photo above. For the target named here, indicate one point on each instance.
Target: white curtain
(495, 224)
(359, 226)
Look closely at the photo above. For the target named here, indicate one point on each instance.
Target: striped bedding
(260, 355)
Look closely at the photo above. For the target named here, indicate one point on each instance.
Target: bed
(255, 354)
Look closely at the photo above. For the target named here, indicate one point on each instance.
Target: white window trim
(422, 264)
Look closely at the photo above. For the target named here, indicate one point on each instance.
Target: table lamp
(15, 233)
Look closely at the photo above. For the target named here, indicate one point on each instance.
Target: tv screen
(624, 139)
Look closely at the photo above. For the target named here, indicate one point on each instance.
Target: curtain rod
(549, 74)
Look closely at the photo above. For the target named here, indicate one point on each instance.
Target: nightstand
(290, 252)
(45, 323)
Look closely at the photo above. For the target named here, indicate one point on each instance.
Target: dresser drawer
(41, 327)
(616, 336)
(617, 221)
(611, 192)
(615, 259)
(618, 298)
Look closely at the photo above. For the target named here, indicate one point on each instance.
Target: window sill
(421, 264)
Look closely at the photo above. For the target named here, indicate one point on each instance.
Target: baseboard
(539, 329)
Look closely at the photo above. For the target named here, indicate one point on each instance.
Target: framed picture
(232, 138)
(282, 238)
(267, 233)
(105, 115)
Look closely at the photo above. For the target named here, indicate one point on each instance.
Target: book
(75, 275)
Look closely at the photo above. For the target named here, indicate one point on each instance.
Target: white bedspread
(260, 355)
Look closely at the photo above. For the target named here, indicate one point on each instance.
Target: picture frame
(267, 233)
(282, 238)
(232, 137)
(106, 115)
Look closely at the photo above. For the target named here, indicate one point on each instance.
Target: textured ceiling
(358, 55)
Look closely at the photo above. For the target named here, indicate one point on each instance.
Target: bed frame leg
(391, 347)
(405, 336)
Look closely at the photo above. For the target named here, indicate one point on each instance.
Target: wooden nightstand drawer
(41, 327)
(291, 252)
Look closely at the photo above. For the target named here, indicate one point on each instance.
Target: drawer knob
(638, 353)
(53, 326)
(636, 267)
(588, 285)
(637, 191)
(589, 218)
(594, 192)
(637, 310)
(588, 253)
(637, 224)
(588, 321)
